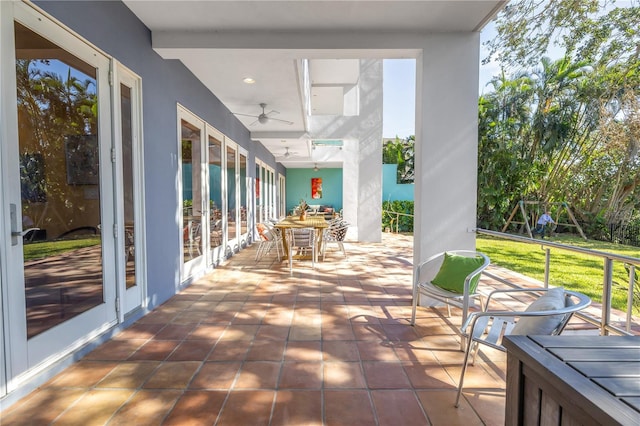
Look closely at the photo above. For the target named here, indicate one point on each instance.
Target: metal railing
(603, 323)
(632, 263)
(395, 218)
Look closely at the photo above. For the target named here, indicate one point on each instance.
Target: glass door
(130, 233)
(194, 202)
(259, 191)
(58, 191)
(244, 224)
(272, 195)
(233, 216)
(282, 193)
(216, 234)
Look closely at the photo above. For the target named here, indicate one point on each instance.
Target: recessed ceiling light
(248, 80)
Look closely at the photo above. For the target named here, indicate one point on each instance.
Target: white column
(369, 205)
(362, 154)
(446, 144)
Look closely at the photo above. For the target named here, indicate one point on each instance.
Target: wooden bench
(567, 380)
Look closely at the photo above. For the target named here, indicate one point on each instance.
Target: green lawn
(575, 271)
(40, 250)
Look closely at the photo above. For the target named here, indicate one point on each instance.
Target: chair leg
(464, 369)
(290, 262)
(414, 303)
(259, 251)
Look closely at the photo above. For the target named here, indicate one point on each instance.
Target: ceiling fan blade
(283, 121)
(264, 116)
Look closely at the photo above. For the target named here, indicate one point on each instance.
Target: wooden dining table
(316, 222)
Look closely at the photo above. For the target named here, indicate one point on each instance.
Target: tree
(595, 31)
(565, 130)
(401, 152)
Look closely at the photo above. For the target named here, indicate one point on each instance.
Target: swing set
(531, 216)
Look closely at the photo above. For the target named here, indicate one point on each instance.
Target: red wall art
(316, 188)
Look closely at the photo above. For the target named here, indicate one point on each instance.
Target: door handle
(23, 232)
(15, 233)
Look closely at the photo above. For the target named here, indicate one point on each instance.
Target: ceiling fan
(288, 153)
(264, 117)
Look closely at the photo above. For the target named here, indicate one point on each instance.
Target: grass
(40, 250)
(575, 271)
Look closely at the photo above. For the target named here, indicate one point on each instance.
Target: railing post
(632, 283)
(547, 262)
(606, 296)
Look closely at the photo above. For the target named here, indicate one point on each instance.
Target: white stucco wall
(362, 167)
(446, 144)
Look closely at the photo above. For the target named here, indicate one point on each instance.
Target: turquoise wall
(299, 186)
(392, 191)
(214, 184)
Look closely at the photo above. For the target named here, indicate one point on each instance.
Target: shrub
(405, 223)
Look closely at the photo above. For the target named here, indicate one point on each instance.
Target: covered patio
(251, 344)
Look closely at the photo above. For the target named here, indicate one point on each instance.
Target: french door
(129, 203)
(194, 199)
(237, 201)
(282, 195)
(57, 179)
(214, 195)
(215, 188)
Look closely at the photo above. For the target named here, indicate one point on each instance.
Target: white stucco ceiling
(222, 42)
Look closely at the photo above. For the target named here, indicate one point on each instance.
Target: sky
(399, 85)
(399, 76)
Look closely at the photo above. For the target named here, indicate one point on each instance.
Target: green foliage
(565, 130)
(390, 220)
(592, 30)
(401, 152)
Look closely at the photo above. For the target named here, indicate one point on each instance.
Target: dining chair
(301, 241)
(216, 232)
(334, 234)
(268, 241)
(194, 238)
(276, 237)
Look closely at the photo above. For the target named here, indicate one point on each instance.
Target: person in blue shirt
(542, 224)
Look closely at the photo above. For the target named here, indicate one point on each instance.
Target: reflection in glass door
(129, 206)
(59, 181)
(58, 193)
(282, 200)
(272, 195)
(215, 196)
(244, 225)
(128, 245)
(259, 191)
(193, 215)
(232, 207)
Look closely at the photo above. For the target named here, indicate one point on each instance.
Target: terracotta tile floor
(250, 344)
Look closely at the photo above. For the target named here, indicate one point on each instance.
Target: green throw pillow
(454, 271)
